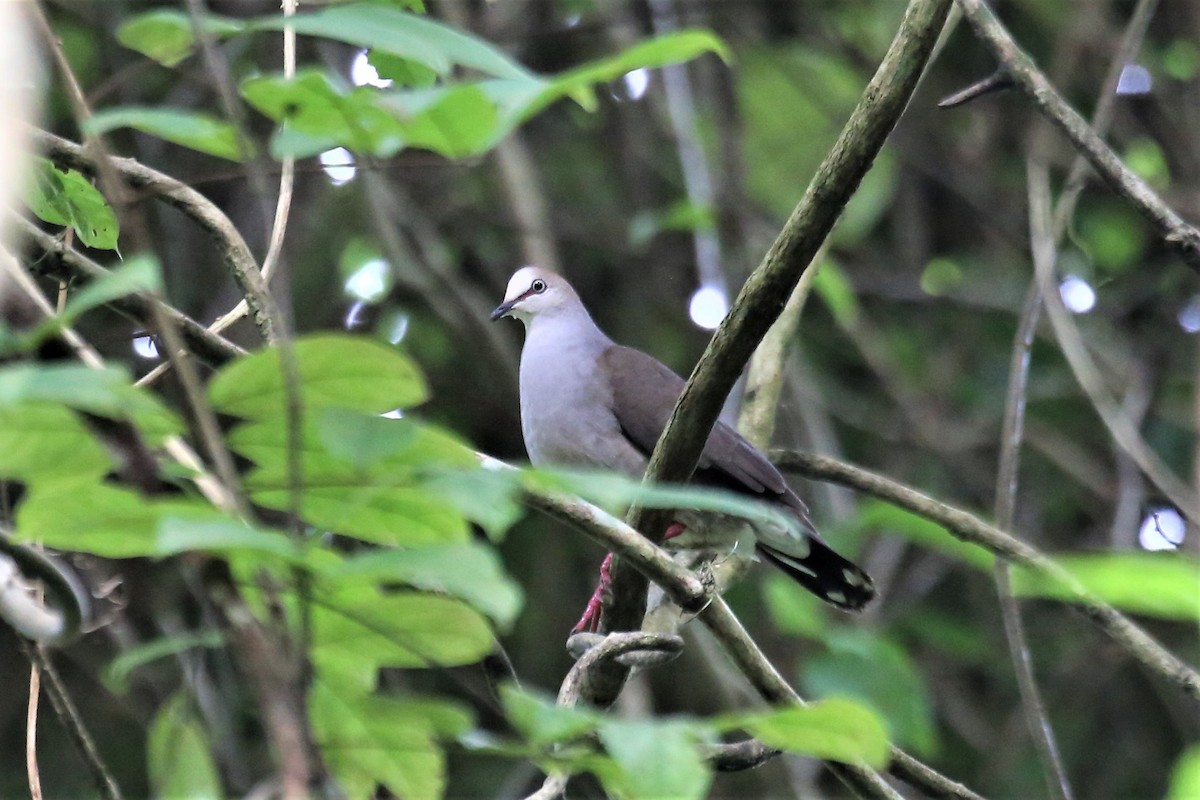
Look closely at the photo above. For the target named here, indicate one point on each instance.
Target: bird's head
(533, 291)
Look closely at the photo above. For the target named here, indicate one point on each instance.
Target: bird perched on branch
(588, 402)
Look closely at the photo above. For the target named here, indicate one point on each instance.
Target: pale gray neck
(569, 327)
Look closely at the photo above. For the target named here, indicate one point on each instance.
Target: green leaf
(107, 392)
(389, 30)
(1185, 777)
(655, 759)
(793, 609)
(1163, 585)
(217, 534)
(879, 673)
(48, 442)
(940, 276)
(367, 739)
(541, 721)
(397, 629)
(316, 113)
(177, 752)
(139, 273)
(116, 674)
(455, 121)
(334, 370)
(362, 439)
(470, 572)
(877, 515)
(167, 36)
(191, 129)
(64, 197)
(832, 285)
(403, 71)
(100, 519)
(835, 729)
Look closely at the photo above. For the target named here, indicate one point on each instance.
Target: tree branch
(766, 291)
(969, 528)
(1174, 231)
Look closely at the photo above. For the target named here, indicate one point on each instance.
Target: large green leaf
(1185, 777)
(108, 392)
(377, 27)
(168, 36)
(177, 752)
(116, 674)
(655, 759)
(878, 515)
(470, 572)
(542, 721)
(104, 520)
(836, 729)
(335, 370)
(879, 673)
(47, 441)
(64, 197)
(398, 629)
(367, 739)
(192, 129)
(1156, 584)
(139, 273)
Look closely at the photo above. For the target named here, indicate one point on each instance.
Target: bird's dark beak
(503, 309)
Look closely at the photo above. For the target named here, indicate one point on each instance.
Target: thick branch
(766, 291)
(969, 528)
(1178, 234)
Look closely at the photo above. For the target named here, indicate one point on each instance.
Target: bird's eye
(539, 286)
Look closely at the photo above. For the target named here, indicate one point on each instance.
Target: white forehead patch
(520, 282)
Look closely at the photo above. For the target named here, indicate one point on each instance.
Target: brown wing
(644, 393)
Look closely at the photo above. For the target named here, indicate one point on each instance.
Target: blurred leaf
(1185, 778)
(455, 121)
(682, 216)
(362, 439)
(108, 392)
(368, 739)
(177, 752)
(389, 30)
(192, 129)
(64, 197)
(1163, 585)
(219, 534)
(878, 515)
(469, 571)
(541, 721)
(869, 202)
(836, 290)
(1181, 60)
(100, 519)
(1146, 158)
(940, 276)
(398, 629)
(655, 759)
(317, 114)
(140, 273)
(1114, 236)
(836, 729)
(48, 442)
(167, 36)
(489, 498)
(116, 674)
(793, 609)
(403, 71)
(880, 674)
(335, 370)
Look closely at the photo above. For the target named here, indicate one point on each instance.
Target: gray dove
(588, 402)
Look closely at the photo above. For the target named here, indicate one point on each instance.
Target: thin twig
(32, 772)
(68, 715)
(1007, 476)
(969, 528)
(1172, 229)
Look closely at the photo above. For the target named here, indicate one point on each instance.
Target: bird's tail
(823, 572)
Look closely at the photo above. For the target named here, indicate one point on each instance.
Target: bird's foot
(673, 530)
(590, 621)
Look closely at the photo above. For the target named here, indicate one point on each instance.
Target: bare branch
(969, 528)
(1174, 231)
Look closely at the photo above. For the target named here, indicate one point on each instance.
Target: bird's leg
(590, 621)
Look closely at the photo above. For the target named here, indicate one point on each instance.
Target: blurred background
(656, 206)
